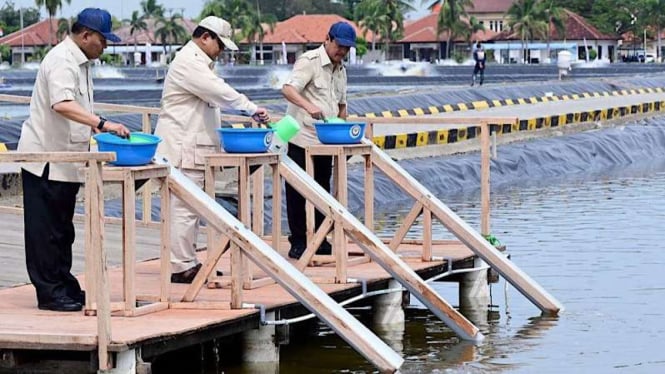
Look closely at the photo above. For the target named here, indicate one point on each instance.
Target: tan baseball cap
(221, 28)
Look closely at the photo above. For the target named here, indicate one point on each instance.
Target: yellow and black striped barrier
(485, 104)
(449, 136)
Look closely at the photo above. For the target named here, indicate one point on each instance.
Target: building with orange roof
(25, 43)
(295, 36)
(580, 36)
(421, 42)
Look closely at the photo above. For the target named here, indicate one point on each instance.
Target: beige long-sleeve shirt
(190, 113)
(64, 75)
(317, 80)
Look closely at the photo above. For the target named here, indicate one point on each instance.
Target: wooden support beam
(467, 235)
(406, 225)
(296, 283)
(378, 251)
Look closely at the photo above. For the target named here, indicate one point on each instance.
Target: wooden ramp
(285, 274)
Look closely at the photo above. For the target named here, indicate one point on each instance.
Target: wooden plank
(276, 207)
(208, 269)
(257, 201)
(378, 251)
(297, 284)
(99, 264)
(520, 280)
(313, 245)
(165, 241)
(309, 208)
(369, 191)
(129, 239)
(484, 178)
(427, 235)
(56, 156)
(245, 216)
(406, 226)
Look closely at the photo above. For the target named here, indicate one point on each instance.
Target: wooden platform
(23, 326)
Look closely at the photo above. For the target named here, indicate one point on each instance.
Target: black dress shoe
(186, 276)
(297, 250)
(324, 249)
(61, 304)
(80, 297)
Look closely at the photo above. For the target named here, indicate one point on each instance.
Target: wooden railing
(147, 114)
(94, 233)
(484, 124)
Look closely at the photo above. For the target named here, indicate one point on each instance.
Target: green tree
(384, 18)
(656, 18)
(370, 17)
(152, 9)
(528, 20)
(10, 17)
(556, 17)
(52, 7)
(136, 25)
(283, 9)
(170, 31)
(254, 28)
(64, 26)
(451, 20)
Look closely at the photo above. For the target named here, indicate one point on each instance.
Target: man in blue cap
(316, 89)
(61, 120)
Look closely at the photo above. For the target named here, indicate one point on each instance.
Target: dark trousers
(295, 203)
(49, 235)
(477, 69)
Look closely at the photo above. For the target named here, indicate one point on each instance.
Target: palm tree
(171, 31)
(151, 9)
(556, 17)
(253, 28)
(384, 18)
(527, 19)
(136, 25)
(656, 18)
(369, 15)
(64, 25)
(451, 19)
(52, 7)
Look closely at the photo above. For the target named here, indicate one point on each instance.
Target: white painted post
(125, 363)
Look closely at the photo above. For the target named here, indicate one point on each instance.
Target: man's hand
(117, 128)
(315, 112)
(261, 115)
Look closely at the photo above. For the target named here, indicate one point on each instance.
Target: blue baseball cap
(98, 20)
(344, 33)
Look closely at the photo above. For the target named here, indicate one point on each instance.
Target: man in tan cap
(190, 114)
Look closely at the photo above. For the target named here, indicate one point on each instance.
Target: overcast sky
(122, 9)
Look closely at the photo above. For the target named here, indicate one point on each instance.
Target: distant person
(188, 121)
(61, 120)
(316, 89)
(479, 67)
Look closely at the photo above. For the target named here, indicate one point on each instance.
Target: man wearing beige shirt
(316, 90)
(61, 120)
(190, 114)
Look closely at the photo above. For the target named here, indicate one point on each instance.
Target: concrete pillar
(260, 346)
(388, 308)
(125, 363)
(388, 318)
(474, 295)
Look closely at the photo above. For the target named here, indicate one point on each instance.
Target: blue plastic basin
(253, 140)
(139, 149)
(340, 133)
